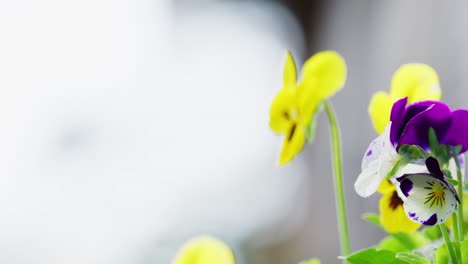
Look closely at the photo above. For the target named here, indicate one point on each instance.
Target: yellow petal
(292, 145)
(289, 71)
(386, 186)
(379, 110)
(449, 223)
(417, 81)
(308, 105)
(324, 74)
(282, 105)
(392, 215)
(204, 250)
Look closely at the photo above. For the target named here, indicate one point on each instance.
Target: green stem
(338, 180)
(448, 242)
(455, 235)
(461, 233)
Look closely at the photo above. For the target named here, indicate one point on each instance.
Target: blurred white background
(130, 126)
(127, 127)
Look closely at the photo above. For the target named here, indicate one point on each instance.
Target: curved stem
(448, 242)
(338, 180)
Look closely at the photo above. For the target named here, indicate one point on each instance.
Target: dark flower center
(291, 132)
(395, 201)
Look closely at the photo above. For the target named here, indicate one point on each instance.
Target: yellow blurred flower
(204, 250)
(416, 81)
(392, 214)
(294, 107)
(449, 222)
(312, 261)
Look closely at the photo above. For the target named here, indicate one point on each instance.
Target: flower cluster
(416, 162)
(397, 155)
(416, 82)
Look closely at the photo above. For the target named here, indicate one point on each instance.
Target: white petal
(410, 168)
(453, 166)
(378, 160)
(389, 156)
(418, 205)
(369, 180)
(430, 248)
(378, 147)
(373, 152)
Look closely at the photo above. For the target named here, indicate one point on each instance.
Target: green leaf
(433, 141)
(312, 261)
(454, 151)
(441, 152)
(402, 161)
(390, 243)
(373, 256)
(408, 153)
(441, 256)
(412, 258)
(452, 181)
(432, 233)
(464, 251)
(465, 208)
(412, 152)
(402, 242)
(447, 173)
(372, 218)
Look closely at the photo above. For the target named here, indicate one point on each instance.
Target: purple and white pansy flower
(409, 125)
(429, 198)
(379, 159)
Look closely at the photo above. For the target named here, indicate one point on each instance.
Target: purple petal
(437, 116)
(405, 186)
(396, 117)
(433, 166)
(414, 109)
(431, 221)
(458, 132)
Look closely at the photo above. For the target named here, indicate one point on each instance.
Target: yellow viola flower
(392, 215)
(416, 81)
(293, 109)
(204, 250)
